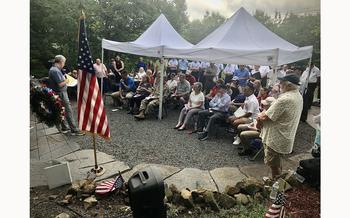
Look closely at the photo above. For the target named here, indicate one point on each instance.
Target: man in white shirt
(194, 67)
(228, 72)
(264, 70)
(309, 80)
(250, 108)
(172, 65)
(101, 74)
(220, 68)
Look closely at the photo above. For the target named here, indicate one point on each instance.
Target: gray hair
(199, 84)
(59, 58)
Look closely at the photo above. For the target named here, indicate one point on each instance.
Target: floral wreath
(47, 106)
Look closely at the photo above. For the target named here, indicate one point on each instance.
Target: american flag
(110, 186)
(277, 208)
(91, 112)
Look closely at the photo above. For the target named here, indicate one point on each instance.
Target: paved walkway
(49, 147)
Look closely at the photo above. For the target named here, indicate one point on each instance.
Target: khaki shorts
(272, 158)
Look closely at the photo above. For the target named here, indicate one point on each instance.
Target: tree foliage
(54, 26)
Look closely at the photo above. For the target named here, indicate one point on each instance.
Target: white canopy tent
(243, 40)
(159, 40)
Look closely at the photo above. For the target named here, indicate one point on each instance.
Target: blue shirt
(242, 74)
(129, 82)
(141, 64)
(56, 77)
(220, 103)
(183, 64)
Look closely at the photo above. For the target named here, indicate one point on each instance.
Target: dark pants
(105, 84)
(136, 100)
(264, 81)
(308, 98)
(214, 117)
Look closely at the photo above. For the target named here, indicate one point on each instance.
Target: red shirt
(191, 79)
(213, 91)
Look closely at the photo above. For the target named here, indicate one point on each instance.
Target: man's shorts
(272, 158)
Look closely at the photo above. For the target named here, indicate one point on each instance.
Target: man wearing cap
(250, 110)
(280, 122)
(58, 83)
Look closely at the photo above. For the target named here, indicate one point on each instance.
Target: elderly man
(183, 90)
(217, 112)
(101, 74)
(58, 83)
(151, 102)
(280, 122)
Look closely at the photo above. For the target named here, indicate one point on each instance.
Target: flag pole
(98, 170)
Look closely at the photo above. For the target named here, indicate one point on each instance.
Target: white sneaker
(237, 141)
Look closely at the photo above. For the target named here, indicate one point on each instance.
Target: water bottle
(274, 190)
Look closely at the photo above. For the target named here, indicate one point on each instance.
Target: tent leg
(161, 89)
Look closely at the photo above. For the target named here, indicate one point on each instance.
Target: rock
(258, 197)
(62, 215)
(283, 185)
(224, 200)
(75, 188)
(250, 186)
(242, 199)
(197, 196)
(63, 202)
(53, 197)
(69, 198)
(210, 200)
(291, 179)
(232, 190)
(168, 193)
(89, 202)
(89, 188)
(186, 198)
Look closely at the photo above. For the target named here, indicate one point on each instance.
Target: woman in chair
(194, 105)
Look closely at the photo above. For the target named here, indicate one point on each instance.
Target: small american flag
(277, 208)
(91, 112)
(110, 186)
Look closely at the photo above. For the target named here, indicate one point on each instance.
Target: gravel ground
(154, 141)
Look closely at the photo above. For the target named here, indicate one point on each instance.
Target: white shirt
(194, 65)
(251, 105)
(264, 70)
(272, 78)
(314, 74)
(281, 73)
(139, 75)
(204, 65)
(197, 99)
(171, 84)
(220, 68)
(100, 70)
(230, 68)
(172, 63)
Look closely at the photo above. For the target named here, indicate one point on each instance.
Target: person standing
(264, 70)
(172, 65)
(194, 67)
(142, 64)
(101, 74)
(309, 79)
(58, 84)
(280, 122)
(183, 65)
(228, 72)
(242, 74)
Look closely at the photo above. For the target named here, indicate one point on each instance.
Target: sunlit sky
(196, 8)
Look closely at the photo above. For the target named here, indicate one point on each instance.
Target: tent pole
(102, 70)
(161, 88)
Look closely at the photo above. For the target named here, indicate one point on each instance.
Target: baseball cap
(290, 78)
(268, 101)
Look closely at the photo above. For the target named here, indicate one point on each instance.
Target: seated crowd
(258, 107)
